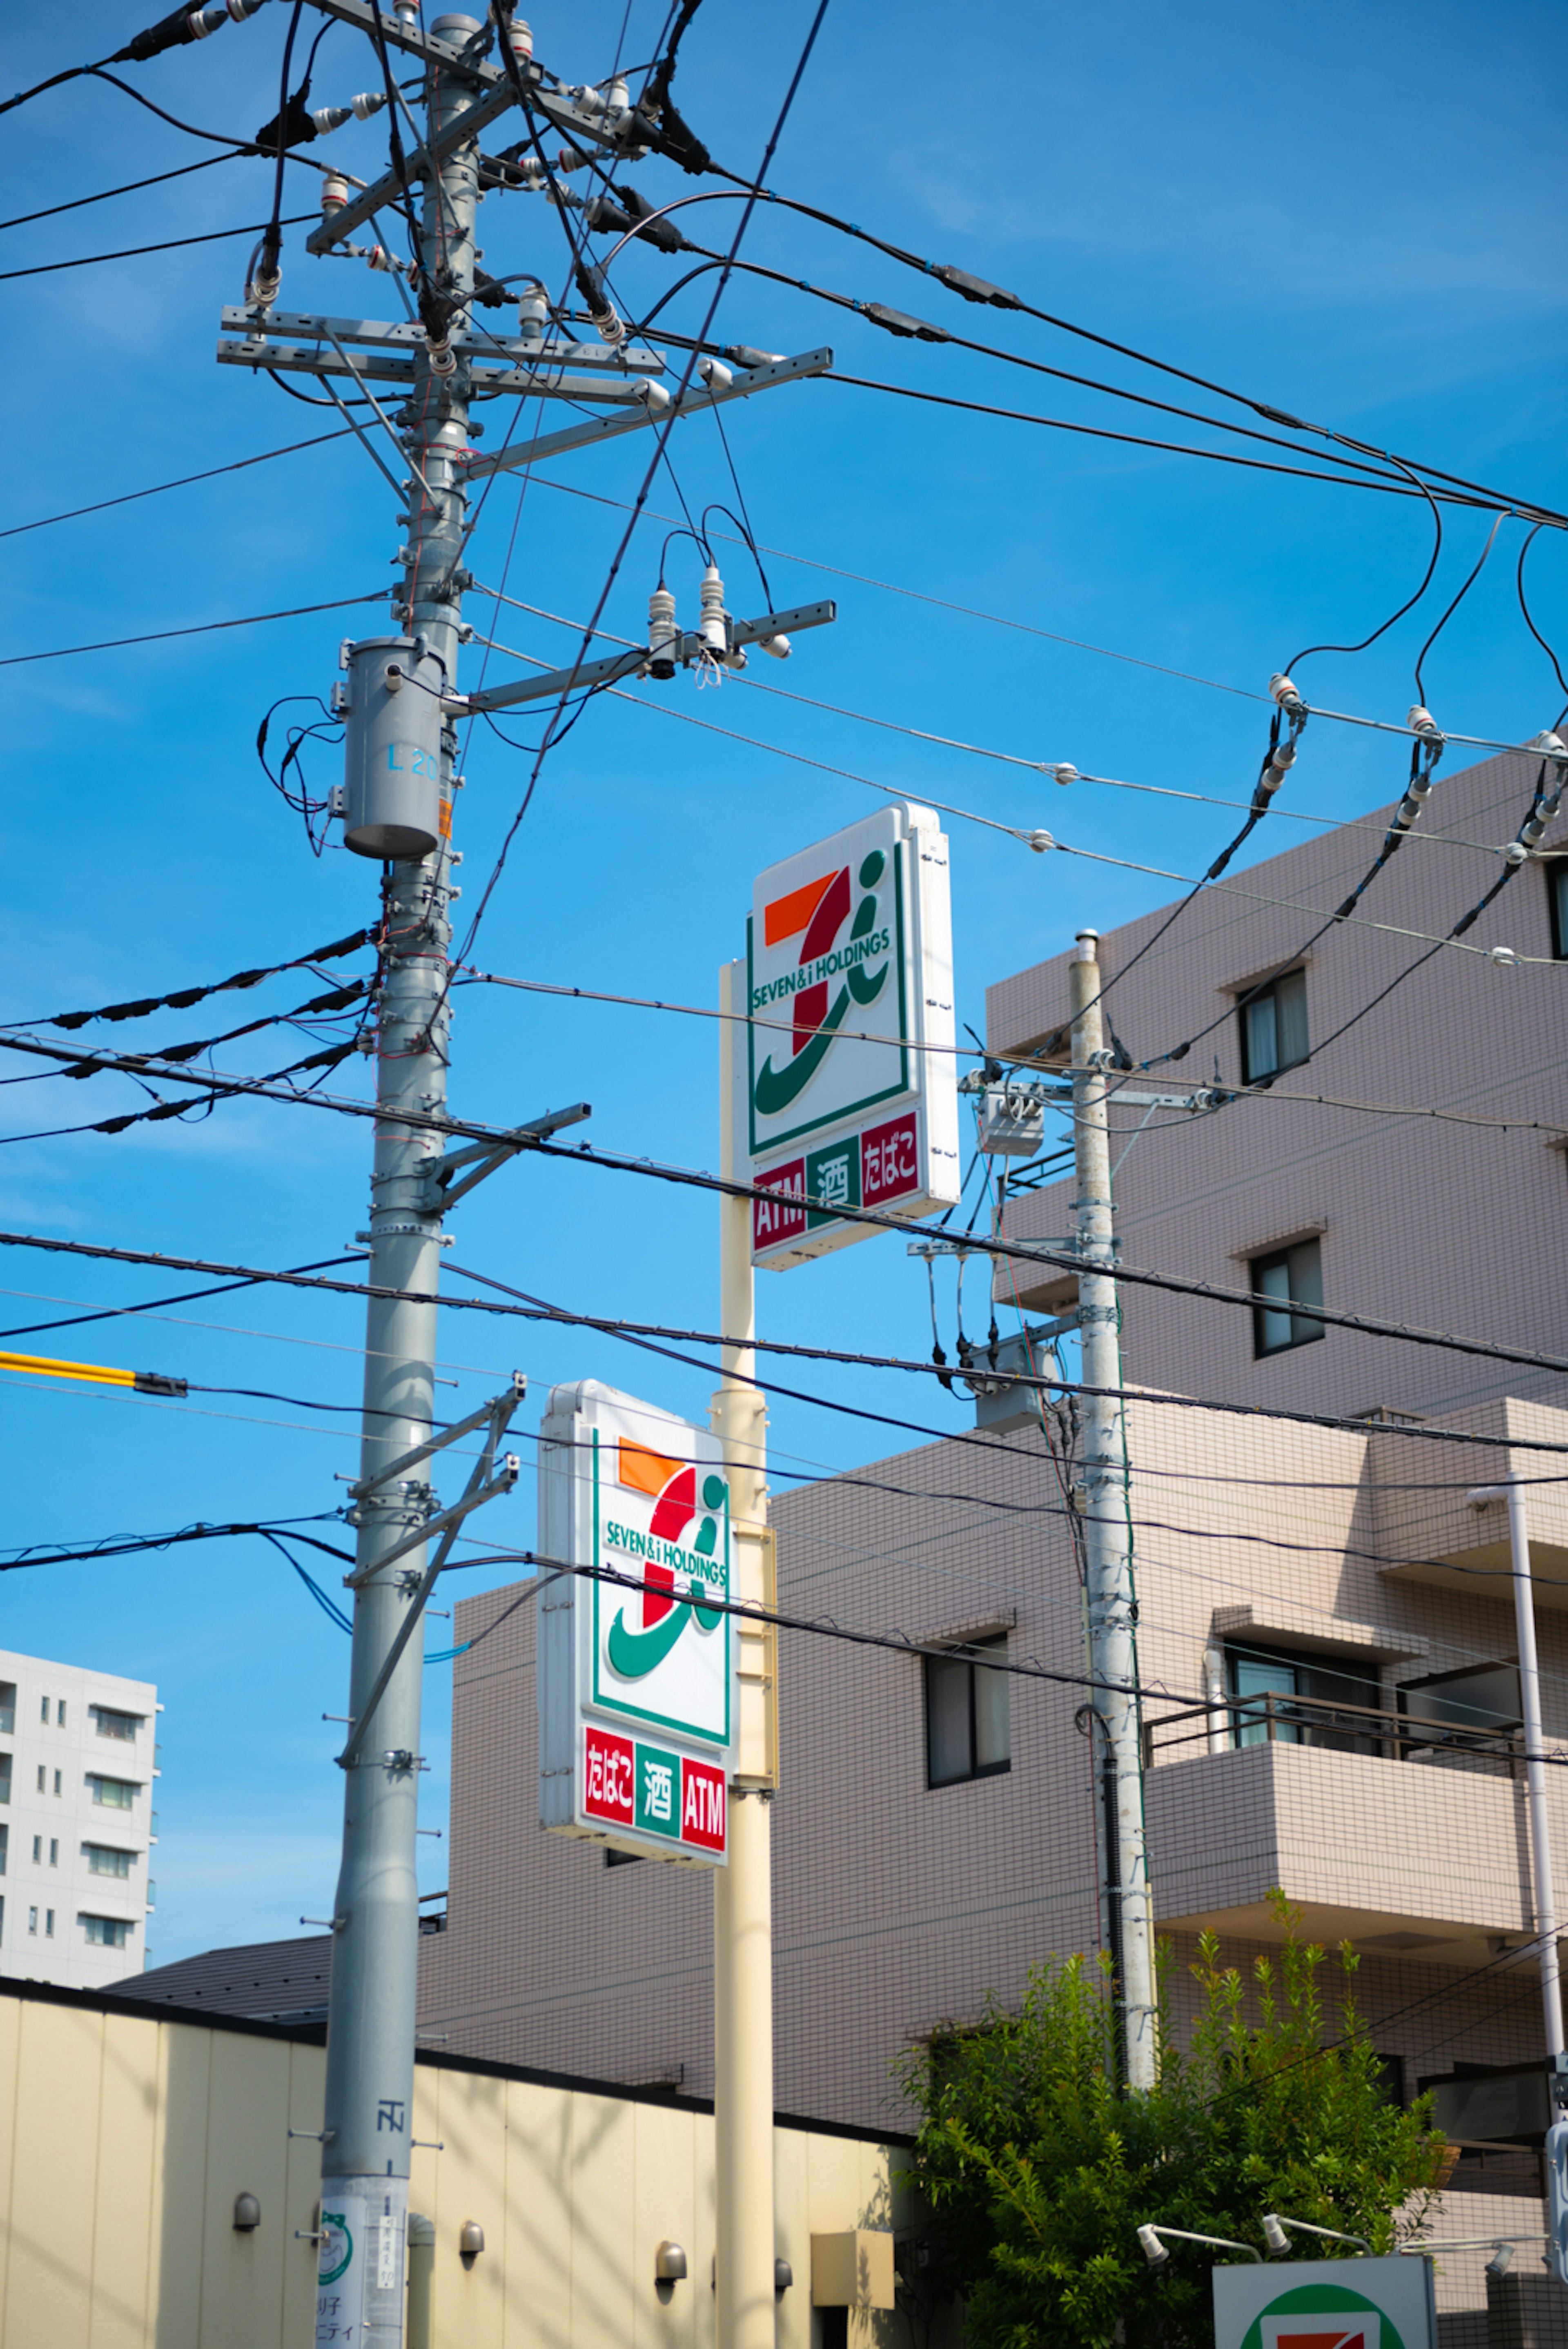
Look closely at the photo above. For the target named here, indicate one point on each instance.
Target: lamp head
(1154, 2250)
(1501, 2259)
(1275, 2235)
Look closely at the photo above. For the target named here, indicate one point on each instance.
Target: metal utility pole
(368, 2121)
(745, 2246)
(1107, 1542)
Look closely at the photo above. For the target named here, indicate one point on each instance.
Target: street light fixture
(1157, 2255)
(1279, 2242)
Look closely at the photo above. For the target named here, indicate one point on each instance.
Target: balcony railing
(1280, 1720)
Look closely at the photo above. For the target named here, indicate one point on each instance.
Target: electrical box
(1011, 1122)
(1001, 1405)
(397, 805)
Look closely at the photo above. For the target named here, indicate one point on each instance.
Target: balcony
(1406, 1837)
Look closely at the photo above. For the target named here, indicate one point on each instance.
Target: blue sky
(1355, 215)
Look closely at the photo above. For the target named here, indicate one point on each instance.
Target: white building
(77, 1761)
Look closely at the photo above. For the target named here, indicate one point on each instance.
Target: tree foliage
(1040, 2168)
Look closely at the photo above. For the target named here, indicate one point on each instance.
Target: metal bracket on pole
(506, 1403)
(416, 166)
(633, 661)
(695, 403)
(445, 1521)
(444, 1191)
(481, 1487)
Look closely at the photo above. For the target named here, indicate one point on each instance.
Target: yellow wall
(124, 2141)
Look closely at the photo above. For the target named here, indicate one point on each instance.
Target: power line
(183, 998)
(1170, 448)
(200, 628)
(128, 497)
(976, 289)
(246, 1274)
(132, 188)
(136, 252)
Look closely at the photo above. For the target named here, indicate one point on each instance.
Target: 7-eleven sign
(636, 1649)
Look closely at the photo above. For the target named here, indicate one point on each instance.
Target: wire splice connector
(185, 25)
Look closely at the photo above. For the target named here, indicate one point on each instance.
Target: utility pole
(368, 2128)
(1107, 1542)
(745, 2246)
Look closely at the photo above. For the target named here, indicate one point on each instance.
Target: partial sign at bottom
(359, 2263)
(653, 1790)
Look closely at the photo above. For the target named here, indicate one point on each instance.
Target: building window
(1273, 1021)
(7, 1708)
(1557, 894)
(113, 1793)
(54, 1851)
(5, 1848)
(60, 1713)
(58, 1787)
(107, 1932)
(32, 1920)
(43, 1780)
(123, 1726)
(49, 1924)
(967, 1728)
(46, 1711)
(4, 1777)
(1293, 1276)
(105, 1859)
(37, 1851)
(1304, 1700)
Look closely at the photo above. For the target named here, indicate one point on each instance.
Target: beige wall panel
(247, 2152)
(124, 2278)
(183, 2074)
(10, 2057)
(51, 2218)
(664, 2209)
(538, 2229)
(306, 2092)
(469, 2117)
(602, 2228)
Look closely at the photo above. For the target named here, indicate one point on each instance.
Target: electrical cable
(1453, 607)
(200, 628)
(100, 1252)
(1518, 583)
(662, 432)
(129, 497)
(132, 188)
(185, 998)
(135, 252)
(975, 289)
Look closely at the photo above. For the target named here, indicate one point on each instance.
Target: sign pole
(743, 1892)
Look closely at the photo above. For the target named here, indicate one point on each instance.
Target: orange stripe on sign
(786, 916)
(644, 1470)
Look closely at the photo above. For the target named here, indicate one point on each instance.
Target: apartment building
(1405, 1161)
(79, 1759)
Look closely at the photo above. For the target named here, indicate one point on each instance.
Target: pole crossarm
(511, 1397)
(692, 403)
(484, 1158)
(479, 1491)
(416, 166)
(291, 342)
(632, 662)
(438, 1524)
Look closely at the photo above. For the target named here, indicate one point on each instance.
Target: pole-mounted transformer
(394, 802)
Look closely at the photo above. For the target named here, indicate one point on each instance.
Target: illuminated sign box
(637, 1663)
(850, 1078)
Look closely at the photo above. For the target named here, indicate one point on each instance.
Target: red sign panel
(784, 1219)
(701, 1805)
(609, 1777)
(890, 1162)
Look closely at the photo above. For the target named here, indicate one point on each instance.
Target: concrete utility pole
(368, 2121)
(1107, 1542)
(743, 1892)
(1546, 1897)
